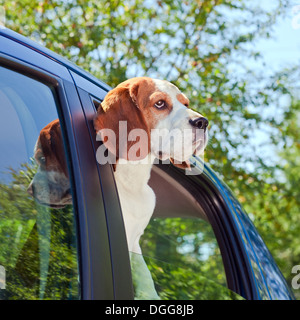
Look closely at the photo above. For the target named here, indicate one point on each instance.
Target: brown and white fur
(147, 104)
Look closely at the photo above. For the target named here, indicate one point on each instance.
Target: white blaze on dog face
(156, 108)
(174, 136)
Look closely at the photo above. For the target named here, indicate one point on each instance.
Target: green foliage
(180, 283)
(275, 199)
(184, 259)
(206, 49)
(185, 243)
(38, 244)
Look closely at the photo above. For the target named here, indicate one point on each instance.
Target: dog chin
(56, 205)
(53, 206)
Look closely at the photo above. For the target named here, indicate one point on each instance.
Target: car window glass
(179, 249)
(38, 242)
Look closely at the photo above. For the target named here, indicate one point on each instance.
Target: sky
(284, 49)
(279, 52)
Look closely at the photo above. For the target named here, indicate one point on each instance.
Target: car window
(38, 241)
(179, 248)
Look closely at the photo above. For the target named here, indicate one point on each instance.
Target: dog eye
(160, 104)
(42, 160)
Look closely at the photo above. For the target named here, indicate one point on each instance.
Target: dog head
(160, 111)
(50, 185)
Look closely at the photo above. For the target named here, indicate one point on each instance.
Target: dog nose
(200, 123)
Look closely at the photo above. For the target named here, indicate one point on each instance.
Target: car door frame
(95, 266)
(90, 92)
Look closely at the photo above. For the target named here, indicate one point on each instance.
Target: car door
(166, 244)
(48, 253)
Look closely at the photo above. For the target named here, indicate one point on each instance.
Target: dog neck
(134, 175)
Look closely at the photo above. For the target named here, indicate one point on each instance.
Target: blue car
(199, 244)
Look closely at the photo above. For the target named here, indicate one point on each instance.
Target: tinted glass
(38, 241)
(179, 248)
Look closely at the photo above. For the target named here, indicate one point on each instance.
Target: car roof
(12, 35)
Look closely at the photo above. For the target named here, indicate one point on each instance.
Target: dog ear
(133, 92)
(119, 111)
(58, 147)
(183, 165)
(50, 143)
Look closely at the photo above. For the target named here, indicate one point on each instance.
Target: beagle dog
(156, 114)
(158, 108)
(51, 186)
(160, 111)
